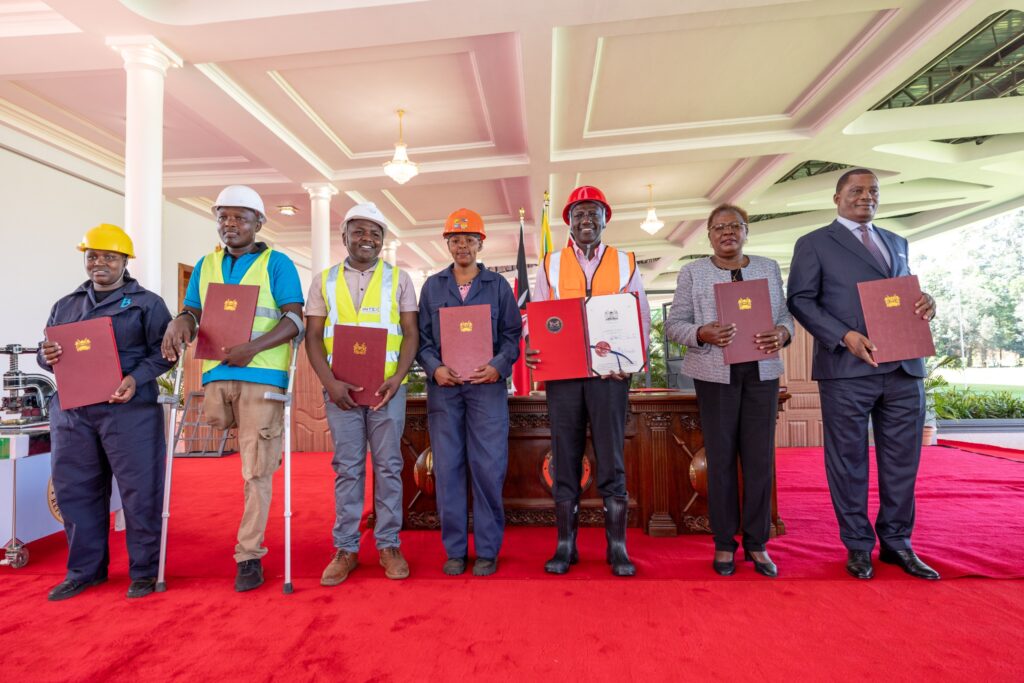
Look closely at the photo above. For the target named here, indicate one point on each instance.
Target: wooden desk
(666, 475)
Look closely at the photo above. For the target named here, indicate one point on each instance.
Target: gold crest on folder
(745, 303)
(83, 344)
(230, 304)
(359, 349)
(466, 326)
(892, 301)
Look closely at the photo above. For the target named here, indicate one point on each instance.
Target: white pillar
(146, 60)
(391, 251)
(320, 225)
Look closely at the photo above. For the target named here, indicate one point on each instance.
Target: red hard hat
(586, 193)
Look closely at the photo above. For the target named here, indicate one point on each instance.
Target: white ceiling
(709, 101)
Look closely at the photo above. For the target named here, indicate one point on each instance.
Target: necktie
(870, 245)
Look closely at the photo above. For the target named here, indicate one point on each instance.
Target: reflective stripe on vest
(612, 275)
(267, 312)
(382, 290)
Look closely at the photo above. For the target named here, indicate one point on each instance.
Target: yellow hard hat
(107, 237)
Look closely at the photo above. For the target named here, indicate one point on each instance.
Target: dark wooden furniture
(665, 467)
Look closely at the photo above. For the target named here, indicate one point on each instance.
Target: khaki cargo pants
(260, 423)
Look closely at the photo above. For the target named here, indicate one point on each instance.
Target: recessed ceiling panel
(430, 204)
(718, 73)
(440, 94)
(671, 183)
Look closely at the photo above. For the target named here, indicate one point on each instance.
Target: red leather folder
(558, 329)
(748, 305)
(893, 327)
(466, 342)
(228, 312)
(358, 358)
(89, 369)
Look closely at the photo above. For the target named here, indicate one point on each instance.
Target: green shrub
(961, 403)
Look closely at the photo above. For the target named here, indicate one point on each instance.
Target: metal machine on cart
(24, 431)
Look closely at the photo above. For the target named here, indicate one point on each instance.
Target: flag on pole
(546, 243)
(520, 373)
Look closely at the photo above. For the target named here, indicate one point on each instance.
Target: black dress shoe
(724, 568)
(766, 568)
(140, 588)
(250, 575)
(858, 564)
(69, 588)
(910, 562)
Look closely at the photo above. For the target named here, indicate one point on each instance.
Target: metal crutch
(286, 398)
(170, 435)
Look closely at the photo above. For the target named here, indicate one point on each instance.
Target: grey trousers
(351, 431)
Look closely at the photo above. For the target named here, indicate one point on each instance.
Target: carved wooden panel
(800, 421)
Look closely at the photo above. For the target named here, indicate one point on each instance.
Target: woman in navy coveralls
(123, 437)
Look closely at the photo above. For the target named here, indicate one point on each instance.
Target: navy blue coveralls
(469, 423)
(126, 439)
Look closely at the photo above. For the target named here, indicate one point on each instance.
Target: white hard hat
(243, 196)
(367, 211)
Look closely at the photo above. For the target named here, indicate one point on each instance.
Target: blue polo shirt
(284, 286)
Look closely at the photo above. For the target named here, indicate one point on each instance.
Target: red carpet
(984, 449)
(677, 617)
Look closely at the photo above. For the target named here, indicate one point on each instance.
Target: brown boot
(395, 566)
(338, 570)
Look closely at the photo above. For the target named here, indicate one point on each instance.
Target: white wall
(46, 212)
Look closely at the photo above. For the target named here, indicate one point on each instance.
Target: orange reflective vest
(567, 280)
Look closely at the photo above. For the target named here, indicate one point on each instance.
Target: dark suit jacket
(441, 291)
(822, 295)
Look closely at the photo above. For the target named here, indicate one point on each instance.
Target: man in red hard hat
(587, 267)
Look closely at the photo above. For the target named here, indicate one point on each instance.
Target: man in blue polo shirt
(235, 386)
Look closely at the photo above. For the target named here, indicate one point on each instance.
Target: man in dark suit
(827, 265)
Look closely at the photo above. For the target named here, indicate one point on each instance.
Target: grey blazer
(694, 305)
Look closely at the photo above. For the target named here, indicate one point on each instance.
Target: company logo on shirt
(892, 301)
(83, 344)
(126, 302)
(745, 303)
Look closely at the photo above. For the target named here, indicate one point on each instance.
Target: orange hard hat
(586, 193)
(464, 221)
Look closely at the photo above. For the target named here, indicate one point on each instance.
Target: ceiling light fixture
(400, 169)
(651, 224)
(287, 210)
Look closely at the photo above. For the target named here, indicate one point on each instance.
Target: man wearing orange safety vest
(585, 268)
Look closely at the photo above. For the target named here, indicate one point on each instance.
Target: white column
(146, 60)
(320, 225)
(391, 251)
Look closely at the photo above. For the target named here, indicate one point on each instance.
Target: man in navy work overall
(235, 387)
(123, 437)
(827, 265)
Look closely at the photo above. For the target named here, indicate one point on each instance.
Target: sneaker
(69, 588)
(340, 567)
(140, 588)
(485, 566)
(395, 566)
(454, 566)
(250, 575)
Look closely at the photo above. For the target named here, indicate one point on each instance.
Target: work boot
(567, 520)
(395, 566)
(249, 576)
(340, 567)
(615, 510)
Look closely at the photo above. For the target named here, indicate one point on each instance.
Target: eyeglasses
(580, 215)
(238, 220)
(721, 228)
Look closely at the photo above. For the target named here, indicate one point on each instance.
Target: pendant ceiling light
(400, 169)
(651, 224)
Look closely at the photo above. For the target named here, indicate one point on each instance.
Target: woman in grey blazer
(738, 403)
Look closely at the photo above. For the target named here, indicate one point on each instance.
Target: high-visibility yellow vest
(379, 309)
(567, 280)
(267, 311)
